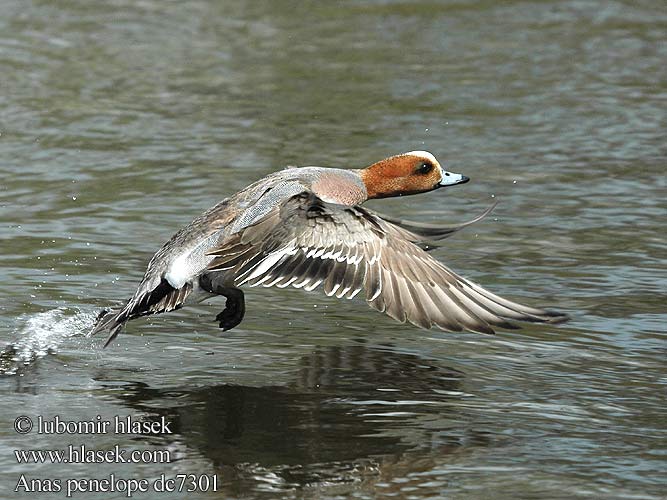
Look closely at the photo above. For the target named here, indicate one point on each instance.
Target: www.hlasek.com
(82, 454)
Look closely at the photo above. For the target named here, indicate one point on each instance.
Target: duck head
(408, 173)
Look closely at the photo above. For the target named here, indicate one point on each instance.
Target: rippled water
(123, 120)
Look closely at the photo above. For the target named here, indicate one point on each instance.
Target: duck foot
(234, 310)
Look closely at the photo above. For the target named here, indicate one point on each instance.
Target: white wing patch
(179, 271)
(267, 272)
(190, 263)
(266, 264)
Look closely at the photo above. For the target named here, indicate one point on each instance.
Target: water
(122, 121)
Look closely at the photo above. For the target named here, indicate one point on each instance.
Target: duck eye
(424, 168)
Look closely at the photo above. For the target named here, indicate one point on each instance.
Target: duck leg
(234, 309)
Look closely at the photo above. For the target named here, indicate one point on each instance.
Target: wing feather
(426, 235)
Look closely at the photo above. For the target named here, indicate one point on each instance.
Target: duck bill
(452, 179)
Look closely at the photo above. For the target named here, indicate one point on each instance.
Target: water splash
(40, 334)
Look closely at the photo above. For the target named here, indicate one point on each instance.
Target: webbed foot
(232, 314)
(234, 309)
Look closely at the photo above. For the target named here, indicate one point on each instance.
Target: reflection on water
(291, 436)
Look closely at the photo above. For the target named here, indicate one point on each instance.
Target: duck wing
(429, 234)
(305, 242)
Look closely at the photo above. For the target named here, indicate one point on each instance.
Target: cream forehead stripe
(423, 154)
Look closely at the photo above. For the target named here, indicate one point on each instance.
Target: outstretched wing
(430, 234)
(305, 243)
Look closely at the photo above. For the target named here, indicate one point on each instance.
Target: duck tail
(162, 298)
(111, 321)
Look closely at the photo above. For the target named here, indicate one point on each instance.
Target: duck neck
(377, 185)
(344, 187)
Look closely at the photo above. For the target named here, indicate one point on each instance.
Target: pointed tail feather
(111, 321)
(163, 298)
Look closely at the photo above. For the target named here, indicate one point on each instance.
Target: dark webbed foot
(234, 310)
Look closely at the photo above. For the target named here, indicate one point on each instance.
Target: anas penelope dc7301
(305, 227)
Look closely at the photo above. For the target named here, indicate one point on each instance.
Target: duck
(307, 228)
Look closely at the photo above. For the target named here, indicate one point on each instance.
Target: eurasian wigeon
(305, 227)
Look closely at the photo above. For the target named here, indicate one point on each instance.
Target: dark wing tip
(486, 329)
(427, 236)
(555, 317)
(546, 316)
(506, 325)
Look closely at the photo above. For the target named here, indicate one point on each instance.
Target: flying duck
(306, 228)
